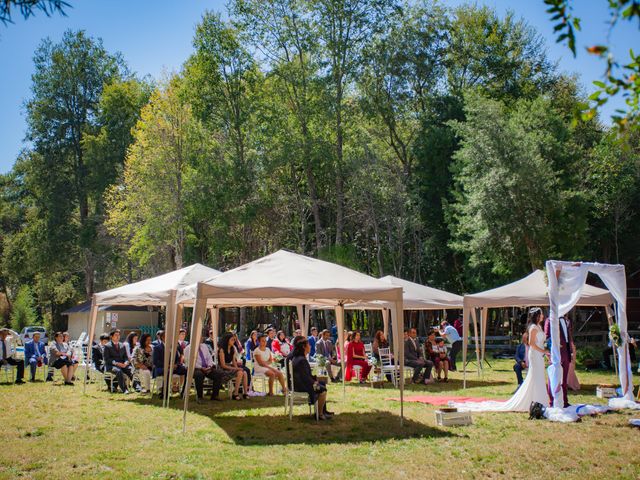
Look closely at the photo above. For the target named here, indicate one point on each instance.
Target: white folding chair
(292, 397)
(368, 349)
(387, 366)
(9, 370)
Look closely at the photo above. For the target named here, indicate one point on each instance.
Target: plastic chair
(292, 397)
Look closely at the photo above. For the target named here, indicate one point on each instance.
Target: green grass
(57, 432)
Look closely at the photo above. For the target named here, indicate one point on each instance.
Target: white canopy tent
(531, 290)
(285, 278)
(414, 297)
(156, 291)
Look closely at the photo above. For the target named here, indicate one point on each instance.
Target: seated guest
(262, 361)
(251, 344)
(227, 360)
(379, 341)
(271, 336)
(209, 342)
(521, 358)
(7, 355)
(281, 345)
(97, 352)
(182, 335)
(35, 354)
(240, 351)
(443, 360)
(413, 358)
(303, 380)
(158, 360)
(325, 348)
(356, 357)
(430, 350)
(206, 368)
(129, 344)
(117, 362)
(313, 339)
(66, 340)
(62, 358)
(142, 361)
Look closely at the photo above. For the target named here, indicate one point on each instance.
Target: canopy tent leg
(301, 319)
(307, 320)
(199, 311)
(385, 322)
(169, 328)
(174, 345)
(465, 341)
(340, 327)
(92, 330)
(484, 313)
(398, 326)
(474, 315)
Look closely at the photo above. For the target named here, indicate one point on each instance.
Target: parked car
(27, 334)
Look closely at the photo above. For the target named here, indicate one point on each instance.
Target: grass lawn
(53, 431)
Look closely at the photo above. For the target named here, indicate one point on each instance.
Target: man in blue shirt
(35, 354)
(453, 337)
(313, 338)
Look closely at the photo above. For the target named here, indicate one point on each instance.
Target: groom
(566, 340)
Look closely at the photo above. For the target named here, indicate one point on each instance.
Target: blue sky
(155, 36)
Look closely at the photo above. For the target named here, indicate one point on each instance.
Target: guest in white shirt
(453, 337)
(6, 355)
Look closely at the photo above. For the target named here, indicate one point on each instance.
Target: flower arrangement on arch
(614, 335)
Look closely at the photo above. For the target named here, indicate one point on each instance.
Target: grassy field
(52, 431)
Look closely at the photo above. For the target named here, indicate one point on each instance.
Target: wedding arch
(566, 282)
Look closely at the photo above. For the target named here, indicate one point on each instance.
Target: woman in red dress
(357, 357)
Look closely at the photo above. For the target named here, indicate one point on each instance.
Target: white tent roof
(532, 290)
(421, 297)
(156, 290)
(286, 278)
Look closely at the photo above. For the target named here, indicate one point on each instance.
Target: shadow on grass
(350, 427)
(257, 428)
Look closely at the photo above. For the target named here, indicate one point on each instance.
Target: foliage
(28, 8)
(619, 79)
(23, 312)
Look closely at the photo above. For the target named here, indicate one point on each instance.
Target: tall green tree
(67, 86)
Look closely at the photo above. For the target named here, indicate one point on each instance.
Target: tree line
(435, 144)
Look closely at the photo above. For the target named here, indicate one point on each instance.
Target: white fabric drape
(566, 281)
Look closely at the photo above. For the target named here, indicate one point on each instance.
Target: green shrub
(23, 313)
(588, 354)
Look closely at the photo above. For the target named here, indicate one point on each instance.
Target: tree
(23, 313)
(148, 209)
(511, 209)
(67, 86)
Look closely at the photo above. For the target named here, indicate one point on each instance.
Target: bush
(23, 313)
(586, 356)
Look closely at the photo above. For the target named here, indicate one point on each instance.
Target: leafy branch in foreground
(619, 79)
(28, 8)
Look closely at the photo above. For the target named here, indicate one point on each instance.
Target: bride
(534, 387)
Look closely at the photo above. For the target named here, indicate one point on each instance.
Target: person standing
(313, 340)
(521, 358)
(35, 354)
(454, 339)
(6, 356)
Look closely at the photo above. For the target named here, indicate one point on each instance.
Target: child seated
(440, 351)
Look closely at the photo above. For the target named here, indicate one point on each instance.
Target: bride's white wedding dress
(533, 389)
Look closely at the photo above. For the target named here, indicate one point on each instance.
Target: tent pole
(465, 341)
(340, 327)
(199, 310)
(398, 326)
(174, 344)
(92, 330)
(169, 327)
(474, 315)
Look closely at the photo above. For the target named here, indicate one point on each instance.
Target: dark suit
(520, 358)
(116, 353)
(565, 356)
(413, 358)
(158, 361)
(97, 357)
